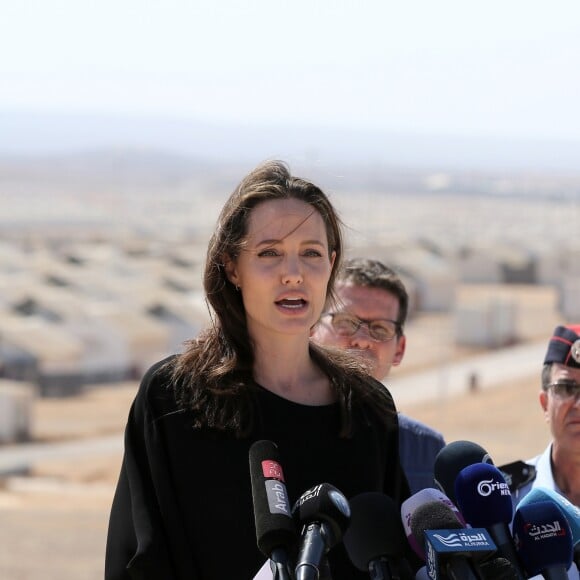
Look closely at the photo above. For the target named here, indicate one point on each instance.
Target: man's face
(562, 413)
(367, 304)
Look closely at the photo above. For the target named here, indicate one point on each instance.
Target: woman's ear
(332, 259)
(231, 270)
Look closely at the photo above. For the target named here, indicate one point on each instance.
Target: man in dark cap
(369, 322)
(558, 467)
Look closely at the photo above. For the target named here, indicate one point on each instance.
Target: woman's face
(284, 268)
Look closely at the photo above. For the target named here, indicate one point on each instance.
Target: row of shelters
(73, 314)
(88, 314)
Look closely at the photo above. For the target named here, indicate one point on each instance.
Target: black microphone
(543, 539)
(452, 459)
(498, 569)
(451, 550)
(324, 513)
(375, 539)
(276, 532)
(485, 500)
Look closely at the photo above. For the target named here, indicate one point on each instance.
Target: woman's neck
(288, 371)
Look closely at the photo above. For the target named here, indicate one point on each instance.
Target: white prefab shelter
(479, 266)
(569, 298)
(487, 324)
(16, 401)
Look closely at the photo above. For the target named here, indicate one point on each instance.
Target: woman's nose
(292, 272)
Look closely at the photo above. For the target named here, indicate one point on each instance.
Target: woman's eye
(267, 253)
(313, 253)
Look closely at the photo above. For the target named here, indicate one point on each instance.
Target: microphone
(324, 513)
(409, 506)
(375, 540)
(494, 569)
(484, 498)
(543, 539)
(570, 511)
(498, 569)
(276, 532)
(452, 459)
(451, 550)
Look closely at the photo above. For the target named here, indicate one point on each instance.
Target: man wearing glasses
(558, 467)
(369, 322)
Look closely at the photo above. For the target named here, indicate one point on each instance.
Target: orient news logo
(488, 486)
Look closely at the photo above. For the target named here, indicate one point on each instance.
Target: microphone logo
(340, 502)
(272, 470)
(431, 561)
(487, 459)
(278, 501)
(487, 486)
(543, 531)
(451, 540)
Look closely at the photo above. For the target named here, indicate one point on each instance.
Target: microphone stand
(280, 565)
(379, 569)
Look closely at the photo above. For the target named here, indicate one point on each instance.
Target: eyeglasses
(380, 330)
(565, 389)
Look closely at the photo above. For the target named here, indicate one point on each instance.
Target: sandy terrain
(54, 525)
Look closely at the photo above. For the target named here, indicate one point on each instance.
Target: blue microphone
(543, 540)
(484, 499)
(570, 511)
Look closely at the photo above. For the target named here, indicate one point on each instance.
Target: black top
(183, 506)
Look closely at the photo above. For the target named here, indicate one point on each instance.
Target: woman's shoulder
(368, 384)
(155, 388)
(158, 374)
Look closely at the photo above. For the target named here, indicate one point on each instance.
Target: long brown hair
(213, 376)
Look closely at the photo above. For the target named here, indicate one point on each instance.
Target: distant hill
(335, 151)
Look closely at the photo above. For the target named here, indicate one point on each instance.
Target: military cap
(564, 346)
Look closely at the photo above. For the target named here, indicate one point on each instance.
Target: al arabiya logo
(487, 486)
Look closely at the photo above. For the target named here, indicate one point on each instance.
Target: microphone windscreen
(324, 503)
(483, 496)
(542, 537)
(409, 506)
(275, 527)
(498, 569)
(433, 515)
(375, 529)
(570, 511)
(452, 459)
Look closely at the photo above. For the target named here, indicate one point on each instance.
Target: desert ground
(54, 524)
(54, 521)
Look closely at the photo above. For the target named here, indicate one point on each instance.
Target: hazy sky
(498, 68)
